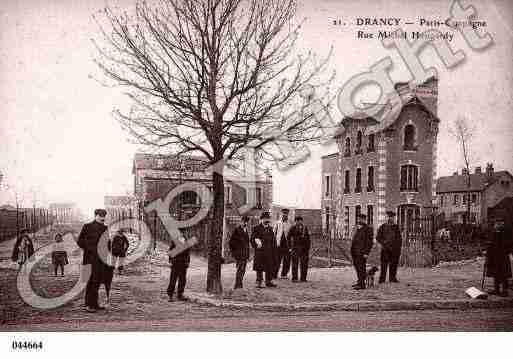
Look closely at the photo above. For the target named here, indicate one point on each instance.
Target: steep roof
(405, 94)
(458, 183)
(169, 163)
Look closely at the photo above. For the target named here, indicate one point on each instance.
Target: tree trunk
(214, 242)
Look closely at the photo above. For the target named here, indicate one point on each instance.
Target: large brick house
(385, 162)
(156, 175)
(486, 190)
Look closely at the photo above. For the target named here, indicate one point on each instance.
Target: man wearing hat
(281, 233)
(300, 245)
(88, 240)
(361, 246)
(264, 243)
(239, 247)
(389, 237)
(498, 247)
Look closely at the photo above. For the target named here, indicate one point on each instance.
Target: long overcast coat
(265, 256)
(499, 245)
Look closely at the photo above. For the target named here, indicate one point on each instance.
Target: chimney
(478, 170)
(489, 169)
(464, 172)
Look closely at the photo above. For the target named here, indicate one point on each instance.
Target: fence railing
(13, 221)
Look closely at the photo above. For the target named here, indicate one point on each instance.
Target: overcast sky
(59, 140)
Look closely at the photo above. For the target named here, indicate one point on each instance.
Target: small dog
(369, 279)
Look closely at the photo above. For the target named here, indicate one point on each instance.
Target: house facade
(486, 190)
(386, 162)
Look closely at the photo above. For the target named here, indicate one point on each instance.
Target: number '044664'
(23, 345)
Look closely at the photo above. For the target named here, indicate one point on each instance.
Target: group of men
(283, 245)
(390, 240)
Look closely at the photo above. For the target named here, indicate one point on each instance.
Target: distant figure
(361, 246)
(23, 248)
(281, 233)
(300, 245)
(264, 243)
(179, 264)
(88, 240)
(389, 236)
(239, 247)
(498, 265)
(119, 249)
(59, 255)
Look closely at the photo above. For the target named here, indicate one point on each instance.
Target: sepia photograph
(298, 166)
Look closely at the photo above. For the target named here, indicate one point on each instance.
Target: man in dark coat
(389, 237)
(239, 247)
(264, 243)
(88, 240)
(300, 244)
(179, 264)
(498, 264)
(361, 246)
(281, 233)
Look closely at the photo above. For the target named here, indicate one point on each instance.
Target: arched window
(409, 138)
(358, 142)
(347, 147)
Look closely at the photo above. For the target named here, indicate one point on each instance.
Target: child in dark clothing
(59, 255)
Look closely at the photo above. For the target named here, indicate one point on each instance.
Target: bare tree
(212, 77)
(462, 131)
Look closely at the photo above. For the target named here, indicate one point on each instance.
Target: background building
(486, 190)
(156, 175)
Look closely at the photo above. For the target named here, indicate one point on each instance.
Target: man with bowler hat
(361, 246)
(300, 244)
(239, 247)
(389, 237)
(264, 243)
(281, 233)
(88, 240)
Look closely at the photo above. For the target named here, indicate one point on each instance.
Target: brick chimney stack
(489, 169)
(478, 170)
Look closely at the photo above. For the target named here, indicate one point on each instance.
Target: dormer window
(347, 147)
(409, 138)
(358, 149)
